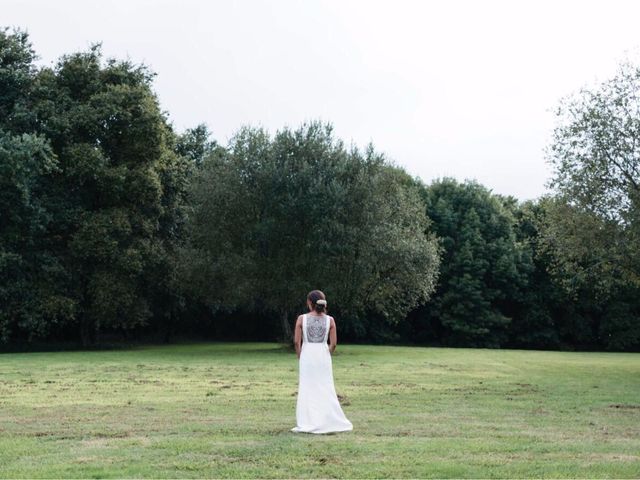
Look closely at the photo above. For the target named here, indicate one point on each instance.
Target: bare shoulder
(299, 320)
(333, 322)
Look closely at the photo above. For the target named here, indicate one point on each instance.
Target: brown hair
(313, 297)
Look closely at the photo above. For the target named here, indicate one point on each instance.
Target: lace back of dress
(316, 328)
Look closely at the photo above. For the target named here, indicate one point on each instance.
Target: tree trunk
(167, 324)
(286, 331)
(86, 331)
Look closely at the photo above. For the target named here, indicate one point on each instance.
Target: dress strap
(326, 333)
(304, 328)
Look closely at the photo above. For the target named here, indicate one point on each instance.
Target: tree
(89, 156)
(26, 272)
(17, 71)
(595, 153)
(541, 304)
(196, 144)
(591, 229)
(596, 291)
(276, 217)
(30, 301)
(483, 266)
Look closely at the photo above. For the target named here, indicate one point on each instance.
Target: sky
(463, 89)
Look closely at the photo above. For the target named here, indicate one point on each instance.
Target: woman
(317, 408)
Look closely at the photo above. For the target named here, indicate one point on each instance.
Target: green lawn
(225, 410)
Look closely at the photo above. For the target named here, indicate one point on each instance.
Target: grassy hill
(225, 410)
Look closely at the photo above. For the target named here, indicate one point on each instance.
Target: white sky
(456, 88)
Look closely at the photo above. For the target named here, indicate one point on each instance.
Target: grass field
(225, 410)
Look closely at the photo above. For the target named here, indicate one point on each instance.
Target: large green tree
(595, 153)
(483, 267)
(591, 230)
(29, 298)
(276, 217)
(28, 275)
(92, 156)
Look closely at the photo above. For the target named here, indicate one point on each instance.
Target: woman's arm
(297, 335)
(333, 336)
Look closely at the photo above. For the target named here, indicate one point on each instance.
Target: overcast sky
(450, 88)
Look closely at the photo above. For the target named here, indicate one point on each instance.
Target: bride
(317, 408)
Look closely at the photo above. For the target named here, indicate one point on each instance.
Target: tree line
(113, 226)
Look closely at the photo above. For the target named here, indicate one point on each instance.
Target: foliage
(595, 153)
(108, 214)
(483, 265)
(113, 224)
(27, 275)
(591, 229)
(274, 218)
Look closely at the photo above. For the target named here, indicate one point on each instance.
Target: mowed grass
(226, 410)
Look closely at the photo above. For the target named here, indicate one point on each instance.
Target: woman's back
(315, 328)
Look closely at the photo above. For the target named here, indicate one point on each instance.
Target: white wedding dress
(318, 409)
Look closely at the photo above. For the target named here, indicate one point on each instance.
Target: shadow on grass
(123, 345)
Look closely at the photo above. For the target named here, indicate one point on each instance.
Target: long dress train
(317, 409)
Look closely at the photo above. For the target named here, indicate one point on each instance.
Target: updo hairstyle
(318, 301)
